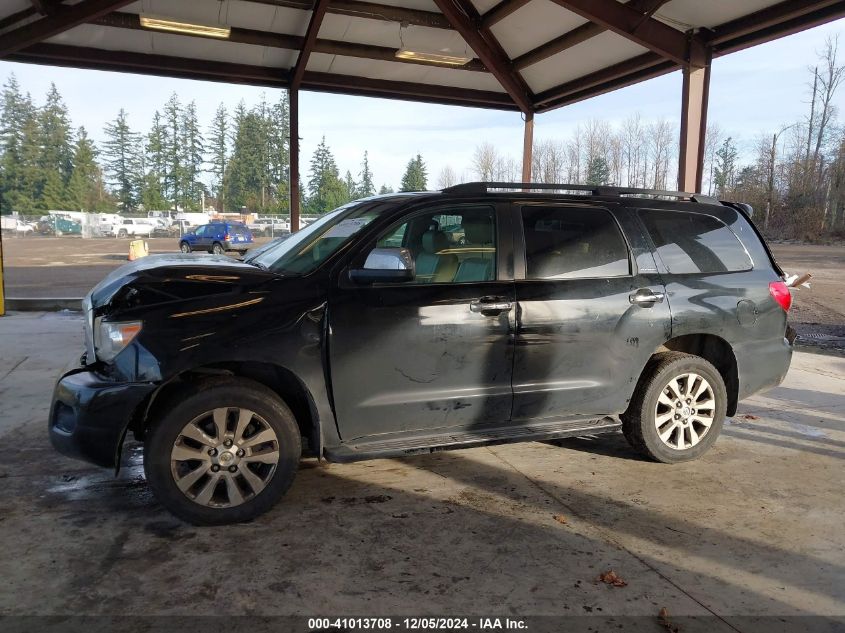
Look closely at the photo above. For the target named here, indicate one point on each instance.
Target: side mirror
(385, 265)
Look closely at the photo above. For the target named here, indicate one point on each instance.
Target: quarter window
(573, 243)
(695, 243)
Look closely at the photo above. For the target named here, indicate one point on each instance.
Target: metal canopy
(528, 55)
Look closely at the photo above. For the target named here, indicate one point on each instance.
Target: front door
(592, 310)
(434, 353)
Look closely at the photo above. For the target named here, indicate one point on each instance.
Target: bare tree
(660, 136)
(447, 177)
(712, 140)
(484, 161)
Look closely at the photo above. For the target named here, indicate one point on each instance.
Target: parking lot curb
(43, 304)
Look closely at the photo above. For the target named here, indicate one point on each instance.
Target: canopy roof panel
(529, 55)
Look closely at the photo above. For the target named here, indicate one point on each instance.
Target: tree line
(794, 176)
(241, 160)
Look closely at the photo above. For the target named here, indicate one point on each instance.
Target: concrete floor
(753, 529)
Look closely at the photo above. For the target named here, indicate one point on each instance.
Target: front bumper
(89, 415)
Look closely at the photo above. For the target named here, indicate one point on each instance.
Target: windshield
(309, 247)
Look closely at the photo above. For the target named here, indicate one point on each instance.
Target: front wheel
(122, 233)
(185, 247)
(225, 452)
(678, 408)
(217, 248)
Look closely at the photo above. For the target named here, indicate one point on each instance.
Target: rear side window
(695, 243)
(573, 243)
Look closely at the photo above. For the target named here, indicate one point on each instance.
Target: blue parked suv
(217, 238)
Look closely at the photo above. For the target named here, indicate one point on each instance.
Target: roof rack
(596, 190)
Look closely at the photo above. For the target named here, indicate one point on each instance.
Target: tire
(217, 249)
(209, 498)
(122, 233)
(184, 247)
(688, 431)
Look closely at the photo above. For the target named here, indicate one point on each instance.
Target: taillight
(780, 293)
(226, 237)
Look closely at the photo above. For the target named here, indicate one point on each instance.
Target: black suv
(545, 311)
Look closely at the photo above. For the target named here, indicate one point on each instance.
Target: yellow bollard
(2, 287)
(138, 248)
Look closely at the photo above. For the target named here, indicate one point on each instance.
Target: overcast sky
(752, 92)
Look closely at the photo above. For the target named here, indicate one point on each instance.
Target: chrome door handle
(646, 297)
(489, 307)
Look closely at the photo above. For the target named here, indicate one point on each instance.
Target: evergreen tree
(325, 189)
(218, 145)
(350, 187)
(598, 171)
(415, 178)
(15, 110)
(192, 158)
(245, 173)
(384, 189)
(85, 190)
(279, 154)
(153, 189)
(27, 198)
(366, 188)
(123, 161)
(173, 153)
(56, 143)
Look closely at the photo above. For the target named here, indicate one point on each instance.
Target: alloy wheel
(224, 457)
(684, 411)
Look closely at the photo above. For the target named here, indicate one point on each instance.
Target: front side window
(573, 243)
(448, 245)
(695, 243)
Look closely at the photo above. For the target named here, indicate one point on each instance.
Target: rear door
(591, 309)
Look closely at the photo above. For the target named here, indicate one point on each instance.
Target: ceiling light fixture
(433, 58)
(171, 26)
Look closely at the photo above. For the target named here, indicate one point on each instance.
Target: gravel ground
(69, 267)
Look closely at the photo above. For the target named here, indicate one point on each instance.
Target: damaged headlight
(110, 337)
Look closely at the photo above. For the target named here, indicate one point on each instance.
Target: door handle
(490, 306)
(646, 297)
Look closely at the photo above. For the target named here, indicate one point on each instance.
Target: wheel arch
(277, 378)
(715, 350)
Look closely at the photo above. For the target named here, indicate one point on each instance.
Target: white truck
(193, 219)
(13, 225)
(135, 227)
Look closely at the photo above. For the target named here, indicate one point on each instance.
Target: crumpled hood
(171, 277)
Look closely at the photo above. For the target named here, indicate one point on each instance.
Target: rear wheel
(217, 248)
(225, 452)
(185, 247)
(678, 408)
(122, 233)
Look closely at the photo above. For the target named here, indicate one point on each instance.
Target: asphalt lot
(751, 531)
(70, 267)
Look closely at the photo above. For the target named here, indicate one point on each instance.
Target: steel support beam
(501, 11)
(579, 34)
(694, 98)
(626, 21)
(238, 35)
(465, 19)
(370, 11)
(60, 19)
(293, 146)
(527, 147)
(317, 16)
